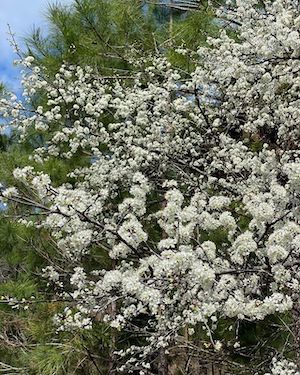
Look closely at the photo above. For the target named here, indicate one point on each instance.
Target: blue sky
(22, 16)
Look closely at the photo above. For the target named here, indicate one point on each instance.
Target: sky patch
(22, 16)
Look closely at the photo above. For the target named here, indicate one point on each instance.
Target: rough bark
(296, 332)
(163, 368)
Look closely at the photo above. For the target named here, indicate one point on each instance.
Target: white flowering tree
(190, 189)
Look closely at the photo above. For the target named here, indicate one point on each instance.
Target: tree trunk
(113, 338)
(296, 331)
(163, 363)
(215, 370)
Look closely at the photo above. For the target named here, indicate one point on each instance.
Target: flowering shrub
(283, 368)
(191, 185)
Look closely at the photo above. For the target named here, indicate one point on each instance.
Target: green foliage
(22, 288)
(101, 33)
(97, 33)
(51, 360)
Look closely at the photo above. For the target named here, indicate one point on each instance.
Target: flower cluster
(196, 201)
